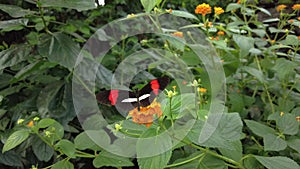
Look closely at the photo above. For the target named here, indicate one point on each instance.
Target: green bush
(258, 126)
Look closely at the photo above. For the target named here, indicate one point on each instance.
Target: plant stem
(185, 161)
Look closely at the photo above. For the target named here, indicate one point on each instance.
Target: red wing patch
(113, 96)
(155, 86)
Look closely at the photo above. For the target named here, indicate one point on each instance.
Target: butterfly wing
(149, 92)
(123, 100)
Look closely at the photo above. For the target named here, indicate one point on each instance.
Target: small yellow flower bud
(195, 83)
(118, 127)
(20, 121)
(47, 133)
(36, 119)
(131, 15)
(281, 114)
(170, 94)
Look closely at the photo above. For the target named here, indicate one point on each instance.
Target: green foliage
(259, 125)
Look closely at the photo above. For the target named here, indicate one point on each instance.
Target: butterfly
(128, 100)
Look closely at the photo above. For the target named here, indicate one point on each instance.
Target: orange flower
(296, 7)
(178, 34)
(214, 38)
(238, 2)
(298, 118)
(203, 9)
(30, 124)
(146, 114)
(280, 8)
(291, 21)
(298, 37)
(218, 10)
(202, 90)
(169, 10)
(221, 33)
(272, 41)
(298, 18)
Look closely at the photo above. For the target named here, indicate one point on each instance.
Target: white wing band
(130, 100)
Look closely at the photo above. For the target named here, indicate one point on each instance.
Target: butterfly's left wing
(123, 100)
(148, 93)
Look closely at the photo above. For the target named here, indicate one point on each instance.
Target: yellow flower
(178, 34)
(296, 7)
(146, 114)
(281, 114)
(210, 24)
(131, 15)
(202, 90)
(280, 8)
(118, 127)
(203, 9)
(218, 10)
(20, 121)
(36, 119)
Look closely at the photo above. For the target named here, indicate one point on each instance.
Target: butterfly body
(127, 100)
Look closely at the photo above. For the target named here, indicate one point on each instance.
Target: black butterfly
(126, 100)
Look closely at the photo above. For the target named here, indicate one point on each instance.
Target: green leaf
(148, 4)
(28, 70)
(228, 130)
(236, 151)
(83, 141)
(11, 158)
(284, 67)
(15, 11)
(46, 122)
(47, 95)
(15, 139)
(244, 43)
(53, 127)
(13, 55)
(111, 160)
(294, 144)
(291, 40)
(277, 162)
(67, 147)
(153, 149)
(184, 14)
(271, 20)
(63, 165)
(60, 49)
(274, 143)
(13, 24)
(287, 124)
(176, 42)
(79, 5)
(232, 6)
(259, 129)
(263, 10)
(42, 150)
(256, 73)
